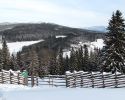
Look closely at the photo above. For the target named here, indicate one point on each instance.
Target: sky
(73, 13)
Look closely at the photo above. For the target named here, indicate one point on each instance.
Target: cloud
(80, 13)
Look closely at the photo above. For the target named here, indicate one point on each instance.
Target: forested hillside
(27, 32)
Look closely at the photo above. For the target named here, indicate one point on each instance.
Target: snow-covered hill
(99, 43)
(14, 47)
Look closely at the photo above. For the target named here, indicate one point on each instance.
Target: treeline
(27, 32)
(51, 62)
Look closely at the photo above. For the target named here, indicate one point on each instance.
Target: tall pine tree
(5, 56)
(86, 59)
(113, 56)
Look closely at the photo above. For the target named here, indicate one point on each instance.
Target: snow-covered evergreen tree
(34, 62)
(5, 56)
(113, 56)
(86, 59)
(66, 63)
(61, 64)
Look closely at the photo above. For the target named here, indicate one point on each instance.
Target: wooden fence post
(37, 82)
(18, 78)
(49, 80)
(10, 78)
(92, 80)
(32, 80)
(66, 78)
(116, 82)
(52, 81)
(103, 82)
(74, 82)
(2, 77)
(81, 75)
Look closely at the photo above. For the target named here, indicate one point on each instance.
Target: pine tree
(61, 64)
(93, 59)
(72, 64)
(13, 64)
(113, 56)
(53, 66)
(86, 59)
(18, 60)
(5, 56)
(80, 58)
(34, 62)
(66, 63)
(76, 65)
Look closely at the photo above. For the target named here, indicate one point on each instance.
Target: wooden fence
(95, 80)
(72, 80)
(52, 81)
(7, 77)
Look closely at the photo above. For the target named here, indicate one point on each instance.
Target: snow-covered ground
(99, 43)
(15, 92)
(14, 47)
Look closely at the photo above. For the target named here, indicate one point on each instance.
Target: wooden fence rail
(95, 79)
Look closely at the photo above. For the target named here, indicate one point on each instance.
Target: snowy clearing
(14, 47)
(14, 92)
(61, 36)
(99, 43)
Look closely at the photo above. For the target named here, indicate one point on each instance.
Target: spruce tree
(86, 59)
(72, 62)
(13, 64)
(5, 56)
(113, 55)
(53, 66)
(93, 59)
(34, 62)
(66, 63)
(80, 58)
(18, 60)
(61, 64)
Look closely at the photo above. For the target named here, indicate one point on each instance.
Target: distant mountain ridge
(98, 28)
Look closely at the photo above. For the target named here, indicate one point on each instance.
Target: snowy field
(14, 92)
(14, 47)
(99, 43)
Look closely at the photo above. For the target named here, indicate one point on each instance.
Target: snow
(99, 43)
(14, 47)
(61, 36)
(66, 53)
(18, 92)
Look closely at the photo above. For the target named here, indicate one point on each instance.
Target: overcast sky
(75, 13)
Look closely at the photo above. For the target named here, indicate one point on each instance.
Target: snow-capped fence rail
(95, 79)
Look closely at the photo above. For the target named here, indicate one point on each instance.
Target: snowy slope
(38, 93)
(99, 43)
(17, 46)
